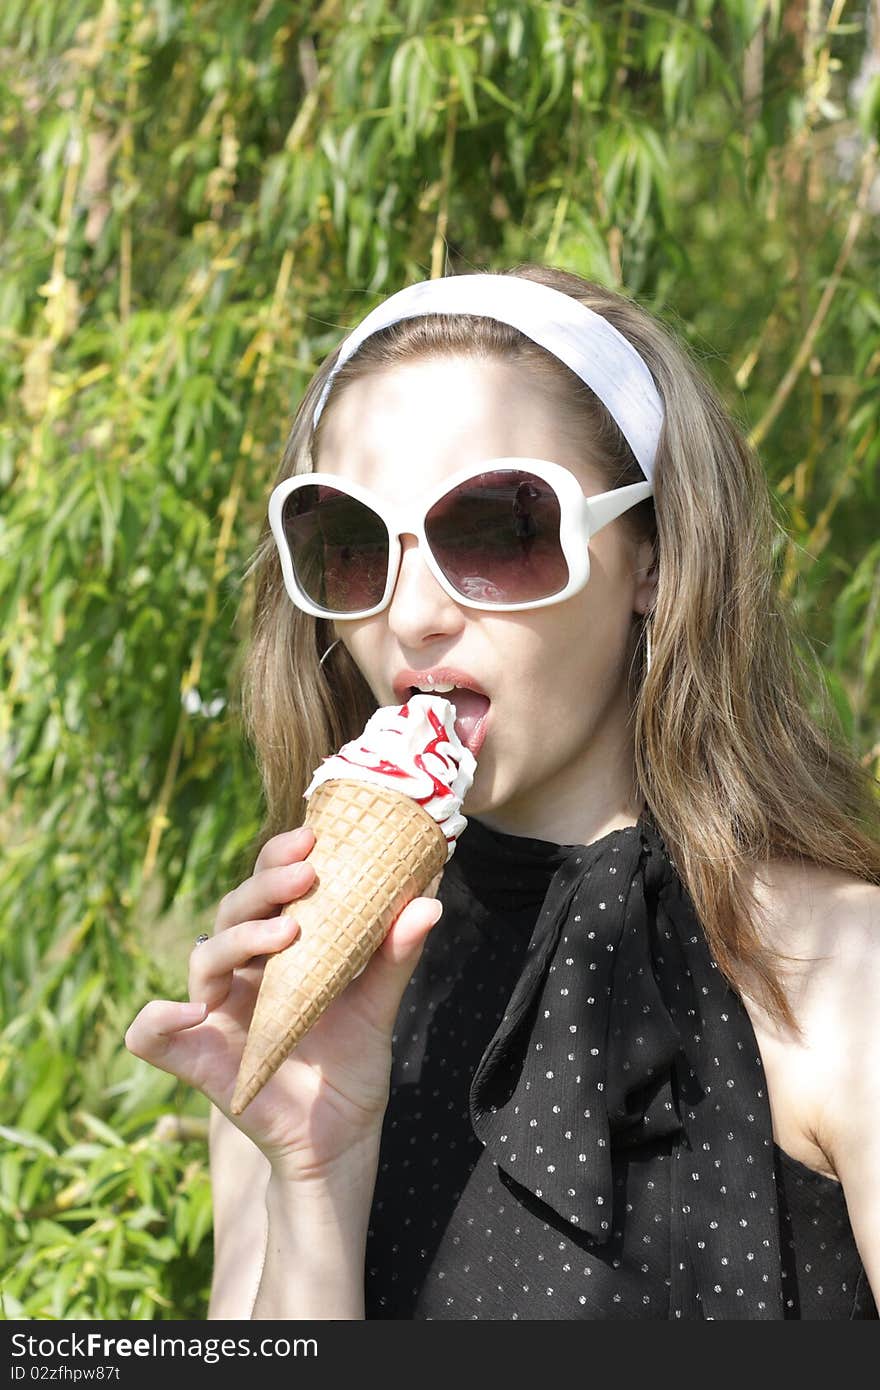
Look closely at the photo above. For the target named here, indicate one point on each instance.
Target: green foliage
(197, 197)
(102, 1223)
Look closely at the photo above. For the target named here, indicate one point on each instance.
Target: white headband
(585, 341)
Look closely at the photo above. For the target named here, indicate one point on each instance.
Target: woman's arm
(316, 1242)
(853, 1109)
(287, 1247)
(239, 1178)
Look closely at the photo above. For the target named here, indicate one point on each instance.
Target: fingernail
(438, 913)
(192, 1013)
(280, 926)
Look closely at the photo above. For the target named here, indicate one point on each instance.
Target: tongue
(470, 709)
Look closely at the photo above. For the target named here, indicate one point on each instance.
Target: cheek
(563, 665)
(535, 680)
(361, 641)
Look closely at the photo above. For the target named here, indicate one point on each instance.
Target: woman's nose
(420, 608)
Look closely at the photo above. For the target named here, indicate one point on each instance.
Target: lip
(446, 675)
(443, 675)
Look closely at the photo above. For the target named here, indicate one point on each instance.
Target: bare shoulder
(826, 926)
(823, 1080)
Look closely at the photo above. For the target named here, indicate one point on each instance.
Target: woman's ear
(645, 575)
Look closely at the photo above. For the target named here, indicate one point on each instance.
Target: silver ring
(202, 938)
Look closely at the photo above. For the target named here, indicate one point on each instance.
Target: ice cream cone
(375, 850)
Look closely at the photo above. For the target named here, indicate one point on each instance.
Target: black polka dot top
(578, 1124)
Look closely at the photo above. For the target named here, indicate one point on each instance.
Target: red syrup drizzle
(439, 788)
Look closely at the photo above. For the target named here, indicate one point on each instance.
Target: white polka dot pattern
(578, 1124)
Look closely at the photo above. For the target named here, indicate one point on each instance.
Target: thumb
(162, 1034)
(380, 986)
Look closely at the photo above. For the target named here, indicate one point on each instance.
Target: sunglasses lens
(339, 548)
(496, 538)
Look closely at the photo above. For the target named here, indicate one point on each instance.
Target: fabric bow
(622, 1013)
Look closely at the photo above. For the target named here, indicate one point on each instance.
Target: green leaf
(496, 94)
(130, 1278)
(459, 60)
(101, 1130)
(47, 1091)
(25, 1139)
(869, 108)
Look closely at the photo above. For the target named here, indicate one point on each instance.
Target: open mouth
(471, 711)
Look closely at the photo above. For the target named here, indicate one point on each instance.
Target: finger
(182, 1040)
(213, 962)
(154, 1033)
(264, 893)
(380, 986)
(404, 942)
(283, 848)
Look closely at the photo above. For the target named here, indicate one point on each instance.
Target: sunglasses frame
(580, 517)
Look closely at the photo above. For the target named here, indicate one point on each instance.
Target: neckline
(513, 873)
(505, 844)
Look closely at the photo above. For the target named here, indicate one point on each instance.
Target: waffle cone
(375, 850)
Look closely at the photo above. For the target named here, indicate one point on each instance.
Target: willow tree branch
(804, 352)
(438, 247)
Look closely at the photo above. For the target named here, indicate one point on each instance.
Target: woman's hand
(330, 1094)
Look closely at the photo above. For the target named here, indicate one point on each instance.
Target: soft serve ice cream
(412, 749)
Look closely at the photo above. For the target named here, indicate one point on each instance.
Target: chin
(484, 798)
(479, 800)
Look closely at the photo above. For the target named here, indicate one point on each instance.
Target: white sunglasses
(504, 534)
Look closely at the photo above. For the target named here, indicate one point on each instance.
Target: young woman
(635, 1070)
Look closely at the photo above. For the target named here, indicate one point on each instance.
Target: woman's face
(554, 751)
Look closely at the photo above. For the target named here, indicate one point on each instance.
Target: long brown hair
(732, 765)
